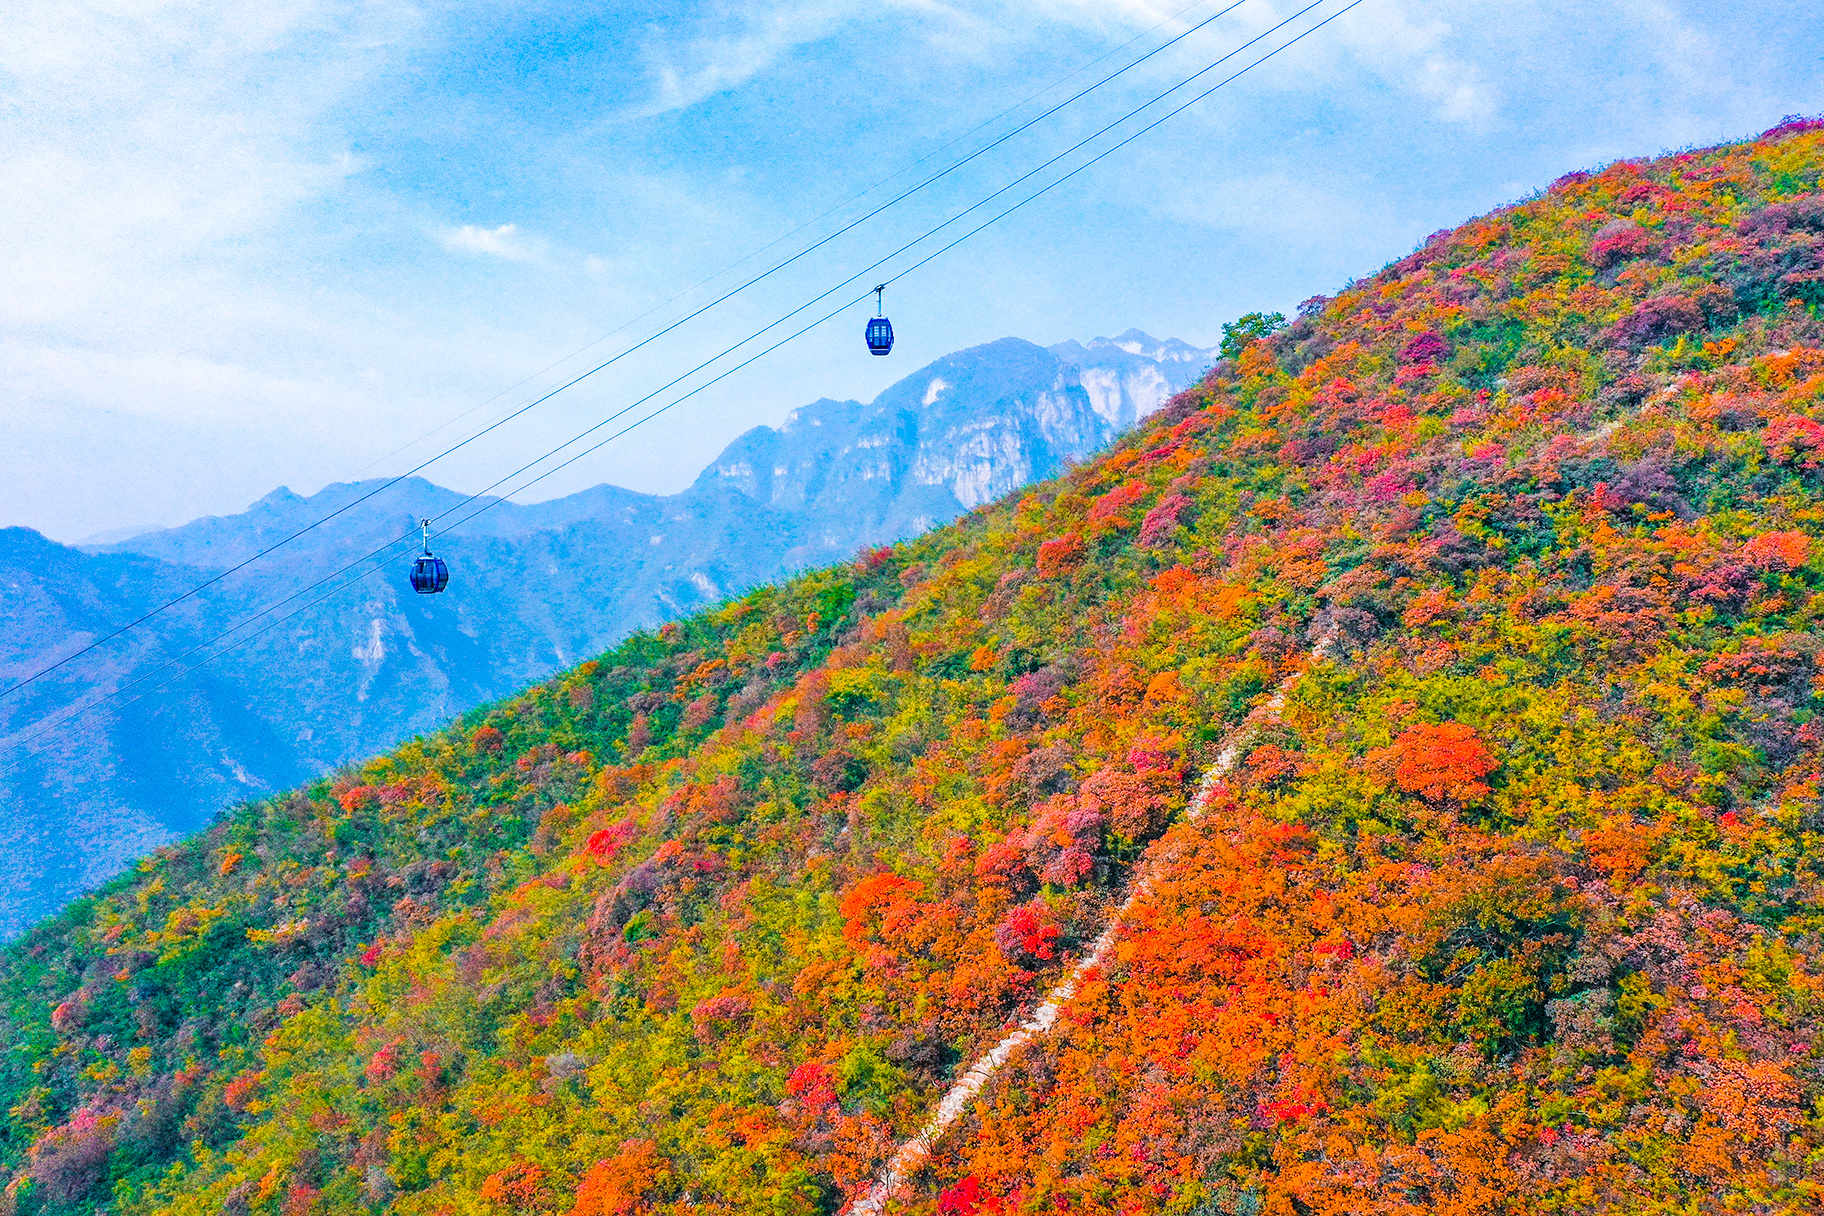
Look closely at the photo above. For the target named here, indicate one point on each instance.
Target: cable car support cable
(810, 223)
(853, 224)
(730, 371)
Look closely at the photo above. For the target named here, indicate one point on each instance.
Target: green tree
(1237, 334)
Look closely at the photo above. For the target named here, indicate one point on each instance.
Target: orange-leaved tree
(617, 1185)
(1443, 763)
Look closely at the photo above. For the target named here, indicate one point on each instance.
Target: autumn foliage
(617, 1186)
(1437, 686)
(1443, 763)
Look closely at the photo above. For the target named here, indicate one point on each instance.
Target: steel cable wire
(693, 392)
(810, 223)
(849, 227)
(728, 350)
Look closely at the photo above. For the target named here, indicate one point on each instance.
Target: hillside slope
(1484, 596)
(537, 588)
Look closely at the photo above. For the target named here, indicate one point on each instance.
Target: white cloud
(1420, 56)
(1426, 56)
(506, 241)
(156, 153)
(735, 47)
(701, 64)
(160, 159)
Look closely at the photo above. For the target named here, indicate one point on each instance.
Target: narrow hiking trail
(912, 1154)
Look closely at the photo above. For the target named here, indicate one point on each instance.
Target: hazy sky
(269, 242)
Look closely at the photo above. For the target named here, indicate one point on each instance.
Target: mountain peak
(1139, 342)
(958, 432)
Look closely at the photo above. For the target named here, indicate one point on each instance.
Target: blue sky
(268, 243)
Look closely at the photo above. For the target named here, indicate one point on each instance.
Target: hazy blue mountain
(535, 588)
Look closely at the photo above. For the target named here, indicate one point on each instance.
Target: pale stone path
(913, 1152)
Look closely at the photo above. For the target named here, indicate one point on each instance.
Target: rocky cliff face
(537, 588)
(958, 433)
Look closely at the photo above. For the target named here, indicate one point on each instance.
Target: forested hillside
(1496, 577)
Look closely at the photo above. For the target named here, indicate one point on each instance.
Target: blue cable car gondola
(429, 574)
(880, 330)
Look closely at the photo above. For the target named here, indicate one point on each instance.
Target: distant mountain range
(536, 588)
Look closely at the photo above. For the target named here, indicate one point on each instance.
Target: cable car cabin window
(880, 335)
